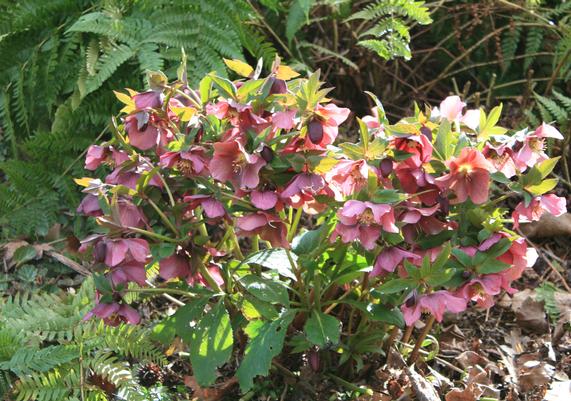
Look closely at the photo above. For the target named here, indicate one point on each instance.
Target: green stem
(236, 244)
(256, 243)
(163, 217)
(154, 235)
(293, 228)
(208, 277)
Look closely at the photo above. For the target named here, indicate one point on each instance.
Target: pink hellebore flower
(502, 159)
(232, 163)
(174, 266)
(469, 176)
(269, 227)
(97, 155)
(481, 290)
(191, 162)
(212, 207)
(89, 206)
(435, 303)
(331, 117)
(114, 314)
(264, 200)
(129, 177)
(389, 259)
(302, 188)
(148, 100)
(419, 146)
(126, 250)
(142, 132)
(213, 269)
(348, 177)
(420, 219)
(553, 204)
(451, 108)
(519, 256)
(364, 221)
(284, 119)
(532, 152)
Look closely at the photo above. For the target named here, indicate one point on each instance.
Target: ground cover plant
(285, 246)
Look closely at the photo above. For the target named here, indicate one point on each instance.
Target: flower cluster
(195, 183)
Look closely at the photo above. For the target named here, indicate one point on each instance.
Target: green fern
(388, 35)
(47, 352)
(552, 110)
(60, 61)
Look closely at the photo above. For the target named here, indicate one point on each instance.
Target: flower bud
(315, 131)
(278, 87)
(427, 132)
(444, 204)
(466, 275)
(411, 301)
(314, 360)
(386, 167)
(267, 154)
(99, 252)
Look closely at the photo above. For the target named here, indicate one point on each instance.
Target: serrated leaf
(381, 313)
(275, 259)
(211, 344)
(286, 73)
(547, 166)
(321, 329)
(266, 290)
(239, 67)
(540, 189)
(397, 285)
(266, 342)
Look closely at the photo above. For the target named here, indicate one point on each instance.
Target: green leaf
(266, 290)
(322, 329)
(492, 265)
(444, 143)
(387, 196)
(382, 313)
(211, 344)
(266, 342)
(547, 166)
(397, 285)
(24, 254)
(308, 241)
(540, 189)
(297, 17)
(224, 85)
(187, 315)
(274, 259)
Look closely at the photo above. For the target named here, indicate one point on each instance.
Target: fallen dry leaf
(214, 393)
(530, 314)
(9, 249)
(422, 388)
(548, 226)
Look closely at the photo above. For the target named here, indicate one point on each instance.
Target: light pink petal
(556, 205)
(252, 222)
(264, 199)
(451, 108)
(548, 131)
(284, 119)
(213, 208)
(471, 119)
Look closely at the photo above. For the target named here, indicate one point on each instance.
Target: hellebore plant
(239, 200)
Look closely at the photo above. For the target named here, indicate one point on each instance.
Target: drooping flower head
(364, 221)
(469, 176)
(232, 163)
(553, 204)
(435, 303)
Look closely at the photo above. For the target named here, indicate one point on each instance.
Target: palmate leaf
(211, 344)
(322, 329)
(266, 342)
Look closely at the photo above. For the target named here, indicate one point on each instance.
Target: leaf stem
(416, 350)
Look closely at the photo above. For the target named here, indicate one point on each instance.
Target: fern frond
(556, 112)
(532, 44)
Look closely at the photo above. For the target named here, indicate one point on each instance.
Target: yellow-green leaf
(239, 67)
(284, 72)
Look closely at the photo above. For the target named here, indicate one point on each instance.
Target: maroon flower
(269, 227)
